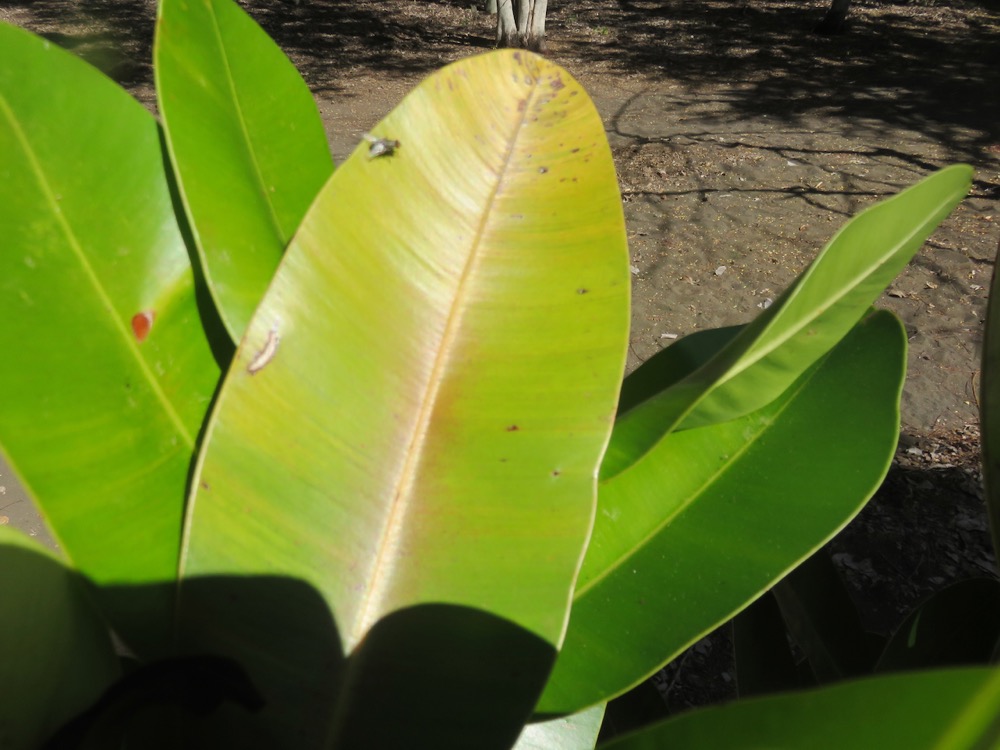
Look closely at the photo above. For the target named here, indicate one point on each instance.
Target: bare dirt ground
(742, 143)
(742, 140)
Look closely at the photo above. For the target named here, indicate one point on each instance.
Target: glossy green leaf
(945, 710)
(414, 420)
(107, 373)
(802, 325)
(673, 364)
(698, 528)
(989, 407)
(55, 650)
(576, 732)
(246, 142)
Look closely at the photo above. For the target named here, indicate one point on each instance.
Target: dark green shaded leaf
(945, 710)
(55, 650)
(715, 515)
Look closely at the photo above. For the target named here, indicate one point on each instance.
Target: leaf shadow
(450, 675)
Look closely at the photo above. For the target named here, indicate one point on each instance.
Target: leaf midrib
(247, 142)
(391, 536)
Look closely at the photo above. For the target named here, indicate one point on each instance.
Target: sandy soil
(742, 143)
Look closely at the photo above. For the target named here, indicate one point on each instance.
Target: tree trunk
(522, 11)
(521, 23)
(835, 20)
(490, 6)
(507, 35)
(534, 38)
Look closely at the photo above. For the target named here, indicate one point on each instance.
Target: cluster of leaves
(344, 459)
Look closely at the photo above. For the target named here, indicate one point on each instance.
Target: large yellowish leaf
(414, 421)
(715, 515)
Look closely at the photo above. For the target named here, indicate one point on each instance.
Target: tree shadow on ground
(327, 39)
(331, 38)
(930, 70)
(115, 36)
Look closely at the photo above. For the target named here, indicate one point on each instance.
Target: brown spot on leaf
(513, 428)
(142, 323)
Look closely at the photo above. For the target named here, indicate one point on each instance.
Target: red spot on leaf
(141, 324)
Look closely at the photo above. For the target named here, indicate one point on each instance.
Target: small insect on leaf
(380, 146)
(266, 353)
(142, 323)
